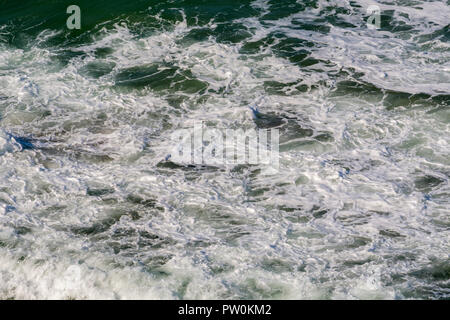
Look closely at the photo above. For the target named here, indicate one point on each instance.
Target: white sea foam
(7, 143)
(231, 232)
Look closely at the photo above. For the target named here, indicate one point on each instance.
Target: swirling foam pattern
(358, 210)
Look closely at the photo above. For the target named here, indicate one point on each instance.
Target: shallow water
(359, 208)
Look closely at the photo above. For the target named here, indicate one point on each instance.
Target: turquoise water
(92, 207)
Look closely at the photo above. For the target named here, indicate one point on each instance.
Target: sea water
(93, 207)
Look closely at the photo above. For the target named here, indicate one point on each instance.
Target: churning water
(92, 207)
